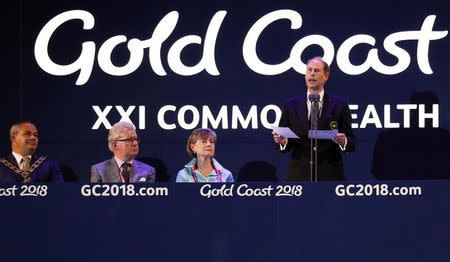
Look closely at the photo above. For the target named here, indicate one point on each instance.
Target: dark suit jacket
(48, 171)
(108, 171)
(330, 165)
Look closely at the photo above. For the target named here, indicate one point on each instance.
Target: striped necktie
(313, 117)
(26, 163)
(126, 172)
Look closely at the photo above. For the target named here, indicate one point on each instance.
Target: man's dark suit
(47, 171)
(108, 171)
(295, 116)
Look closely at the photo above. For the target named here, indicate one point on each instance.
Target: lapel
(136, 171)
(34, 158)
(327, 112)
(13, 160)
(112, 171)
(302, 109)
(301, 113)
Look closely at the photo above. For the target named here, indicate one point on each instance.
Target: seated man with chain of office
(22, 165)
(124, 144)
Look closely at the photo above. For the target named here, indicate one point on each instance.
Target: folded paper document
(284, 131)
(323, 134)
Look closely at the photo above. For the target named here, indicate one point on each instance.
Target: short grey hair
(326, 67)
(116, 130)
(15, 128)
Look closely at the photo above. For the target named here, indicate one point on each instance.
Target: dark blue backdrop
(69, 227)
(64, 115)
(184, 226)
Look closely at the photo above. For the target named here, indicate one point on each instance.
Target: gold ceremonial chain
(25, 174)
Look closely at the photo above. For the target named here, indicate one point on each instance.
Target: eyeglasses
(129, 140)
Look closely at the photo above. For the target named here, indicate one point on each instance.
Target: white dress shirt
(19, 158)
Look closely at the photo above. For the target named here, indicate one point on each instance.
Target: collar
(119, 162)
(19, 157)
(193, 165)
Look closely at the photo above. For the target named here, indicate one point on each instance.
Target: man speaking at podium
(332, 113)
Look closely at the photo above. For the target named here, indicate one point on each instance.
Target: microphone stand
(313, 140)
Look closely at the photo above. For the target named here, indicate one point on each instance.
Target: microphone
(315, 101)
(314, 97)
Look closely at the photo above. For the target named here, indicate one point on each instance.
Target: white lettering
(343, 54)
(182, 117)
(237, 116)
(434, 115)
(208, 60)
(188, 117)
(85, 61)
(370, 117)
(423, 37)
(136, 55)
(161, 122)
(141, 117)
(222, 116)
(136, 47)
(354, 116)
(101, 117)
(125, 115)
(387, 118)
(406, 113)
(249, 47)
(265, 111)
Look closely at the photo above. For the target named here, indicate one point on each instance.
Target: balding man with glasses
(124, 144)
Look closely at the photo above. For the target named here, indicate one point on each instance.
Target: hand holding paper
(284, 131)
(323, 134)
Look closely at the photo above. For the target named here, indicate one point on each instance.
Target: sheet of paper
(284, 131)
(323, 134)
